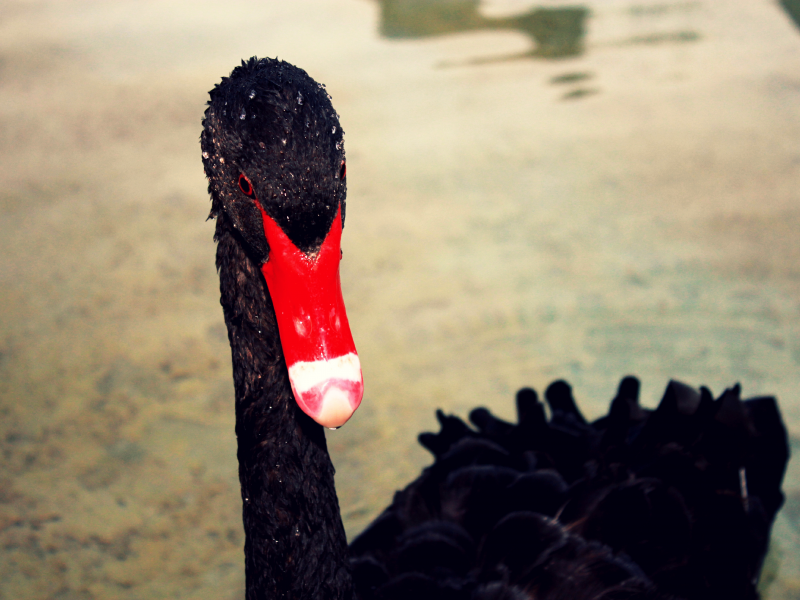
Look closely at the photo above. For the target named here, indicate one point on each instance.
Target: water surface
(564, 190)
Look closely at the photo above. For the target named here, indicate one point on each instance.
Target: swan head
(273, 152)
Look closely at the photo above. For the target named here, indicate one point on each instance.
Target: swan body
(672, 503)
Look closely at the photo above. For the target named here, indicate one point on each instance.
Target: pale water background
(621, 196)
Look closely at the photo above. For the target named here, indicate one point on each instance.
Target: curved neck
(295, 545)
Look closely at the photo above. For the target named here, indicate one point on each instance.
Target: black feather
(675, 502)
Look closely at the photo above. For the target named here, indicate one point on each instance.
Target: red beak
(324, 369)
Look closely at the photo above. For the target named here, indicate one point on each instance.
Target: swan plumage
(672, 502)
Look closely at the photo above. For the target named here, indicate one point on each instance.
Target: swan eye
(342, 171)
(245, 185)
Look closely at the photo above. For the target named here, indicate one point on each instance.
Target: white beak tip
(328, 391)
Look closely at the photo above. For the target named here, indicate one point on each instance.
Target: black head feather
(272, 123)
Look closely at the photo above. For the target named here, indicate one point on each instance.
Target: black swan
(676, 502)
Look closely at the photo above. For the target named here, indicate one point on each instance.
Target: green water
(555, 32)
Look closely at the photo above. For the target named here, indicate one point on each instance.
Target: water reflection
(556, 32)
(669, 37)
(792, 8)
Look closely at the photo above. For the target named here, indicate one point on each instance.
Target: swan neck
(295, 544)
